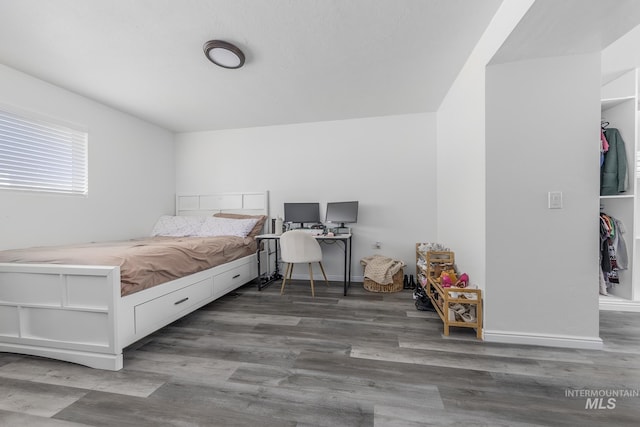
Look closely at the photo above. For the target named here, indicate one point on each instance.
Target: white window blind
(39, 155)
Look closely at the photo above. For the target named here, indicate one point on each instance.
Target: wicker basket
(396, 286)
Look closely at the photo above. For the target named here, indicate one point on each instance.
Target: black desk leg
(259, 275)
(346, 243)
(350, 246)
(276, 271)
(347, 265)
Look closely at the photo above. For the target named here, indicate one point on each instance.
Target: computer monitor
(302, 213)
(342, 212)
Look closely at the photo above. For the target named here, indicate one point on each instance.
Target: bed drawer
(165, 309)
(230, 280)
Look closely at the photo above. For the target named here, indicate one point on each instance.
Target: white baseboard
(566, 341)
(618, 304)
(331, 277)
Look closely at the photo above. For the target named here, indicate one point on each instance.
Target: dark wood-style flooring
(260, 359)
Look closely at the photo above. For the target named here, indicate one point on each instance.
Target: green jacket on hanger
(613, 173)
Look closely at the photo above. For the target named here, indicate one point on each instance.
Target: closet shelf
(612, 102)
(621, 196)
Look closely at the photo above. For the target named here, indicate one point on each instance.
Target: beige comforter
(143, 262)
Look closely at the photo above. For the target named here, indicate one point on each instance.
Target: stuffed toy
(463, 281)
(448, 278)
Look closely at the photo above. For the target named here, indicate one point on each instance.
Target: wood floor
(260, 359)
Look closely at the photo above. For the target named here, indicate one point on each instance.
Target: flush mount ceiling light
(223, 54)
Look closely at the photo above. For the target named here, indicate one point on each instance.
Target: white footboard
(75, 312)
(64, 312)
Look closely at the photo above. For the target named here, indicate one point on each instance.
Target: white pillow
(177, 226)
(216, 226)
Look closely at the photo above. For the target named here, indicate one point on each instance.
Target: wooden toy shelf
(429, 265)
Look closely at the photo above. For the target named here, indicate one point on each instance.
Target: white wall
(386, 163)
(461, 150)
(131, 173)
(542, 264)
(538, 268)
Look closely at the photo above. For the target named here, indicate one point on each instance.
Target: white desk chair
(300, 247)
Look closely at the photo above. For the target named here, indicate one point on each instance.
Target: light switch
(555, 199)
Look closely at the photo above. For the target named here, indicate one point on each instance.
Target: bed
(87, 314)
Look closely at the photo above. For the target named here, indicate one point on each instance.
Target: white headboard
(250, 203)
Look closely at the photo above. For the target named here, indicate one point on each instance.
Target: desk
(345, 239)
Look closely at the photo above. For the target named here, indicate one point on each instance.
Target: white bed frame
(75, 312)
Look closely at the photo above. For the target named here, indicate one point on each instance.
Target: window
(41, 155)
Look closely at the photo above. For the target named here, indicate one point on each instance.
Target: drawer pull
(236, 276)
(181, 301)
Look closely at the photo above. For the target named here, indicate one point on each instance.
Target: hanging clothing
(605, 232)
(602, 284)
(613, 173)
(604, 146)
(613, 252)
(620, 246)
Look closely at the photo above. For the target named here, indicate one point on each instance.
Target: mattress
(144, 262)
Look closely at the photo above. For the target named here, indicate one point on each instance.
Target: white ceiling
(570, 27)
(621, 56)
(307, 60)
